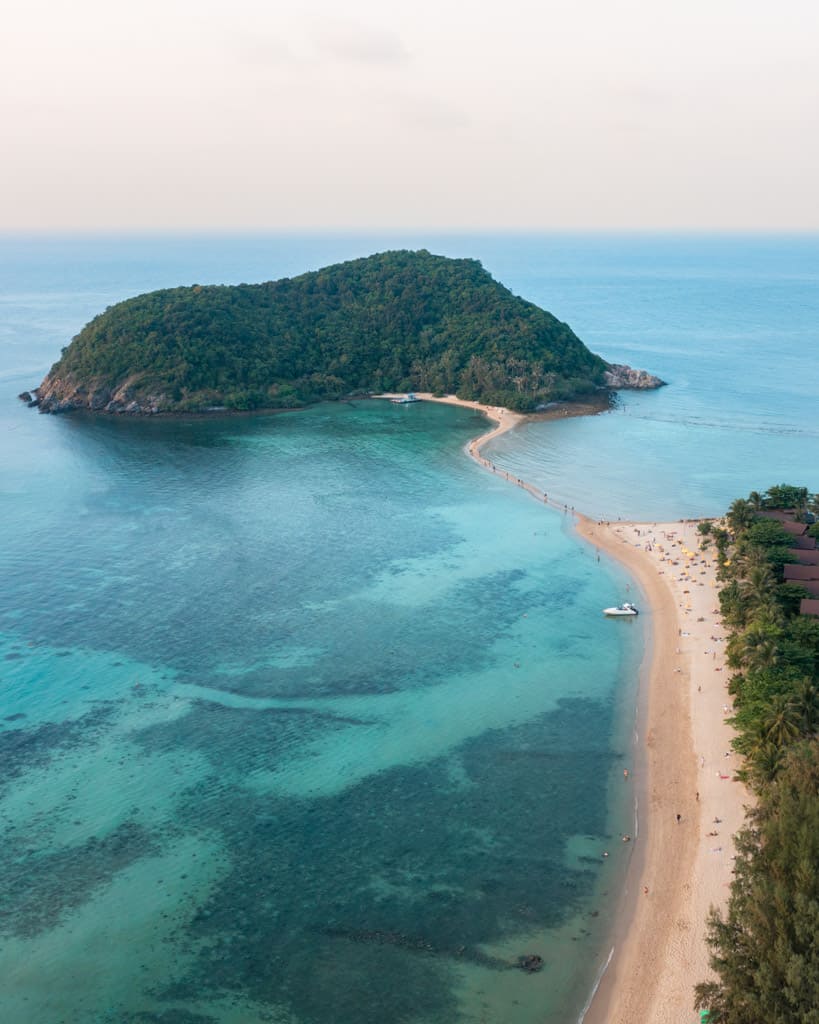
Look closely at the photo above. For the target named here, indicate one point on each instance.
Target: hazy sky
(535, 114)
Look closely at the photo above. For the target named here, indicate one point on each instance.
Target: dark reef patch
(38, 887)
(22, 749)
(356, 906)
(369, 653)
(240, 740)
(167, 1017)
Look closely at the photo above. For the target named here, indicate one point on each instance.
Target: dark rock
(530, 962)
(25, 396)
(99, 399)
(621, 377)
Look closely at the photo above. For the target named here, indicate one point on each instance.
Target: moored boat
(622, 609)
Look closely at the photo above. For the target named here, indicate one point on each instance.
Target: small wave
(600, 975)
(747, 426)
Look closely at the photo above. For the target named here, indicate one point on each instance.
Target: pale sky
(433, 114)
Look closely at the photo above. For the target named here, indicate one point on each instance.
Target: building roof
(809, 606)
(801, 572)
(782, 515)
(797, 529)
(804, 557)
(804, 543)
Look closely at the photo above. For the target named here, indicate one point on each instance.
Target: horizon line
(414, 230)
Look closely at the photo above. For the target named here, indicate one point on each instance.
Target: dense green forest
(765, 949)
(397, 321)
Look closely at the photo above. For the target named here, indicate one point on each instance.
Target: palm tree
(756, 583)
(752, 558)
(763, 764)
(740, 515)
(769, 612)
(757, 647)
(783, 722)
(756, 501)
(806, 700)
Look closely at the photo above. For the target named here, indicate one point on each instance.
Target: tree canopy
(764, 949)
(396, 321)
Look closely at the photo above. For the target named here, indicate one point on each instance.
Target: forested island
(395, 321)
(765, 948)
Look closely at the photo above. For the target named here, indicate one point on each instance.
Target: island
(400, 321)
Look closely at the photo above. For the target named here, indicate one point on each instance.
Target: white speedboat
(622, 609)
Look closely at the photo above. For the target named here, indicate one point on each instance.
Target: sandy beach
(688, 801)
(681, 868)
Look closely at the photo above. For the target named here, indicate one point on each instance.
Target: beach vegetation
(764, 947)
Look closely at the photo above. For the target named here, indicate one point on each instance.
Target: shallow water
(307, 718)
(298, 712)
(730, 323)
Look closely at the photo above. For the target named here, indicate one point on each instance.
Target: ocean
(307, 718)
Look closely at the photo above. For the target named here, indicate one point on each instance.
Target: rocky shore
(62, 394)
(620, 377)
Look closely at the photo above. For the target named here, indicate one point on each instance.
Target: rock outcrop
(619, 376)
(58, 394)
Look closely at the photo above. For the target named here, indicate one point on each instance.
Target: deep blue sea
(306, 718)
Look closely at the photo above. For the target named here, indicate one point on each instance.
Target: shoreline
(506, 420)
(684, 764)
(660, 952)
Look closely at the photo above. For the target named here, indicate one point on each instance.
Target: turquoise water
(306, 717)
(730, 323)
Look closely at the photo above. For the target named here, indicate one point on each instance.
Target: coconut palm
(740, 515)
(756, 501)
(806, 700)
(783, 722)
(764, 761)
(757, 647)
(752, 558)
(756, 584)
